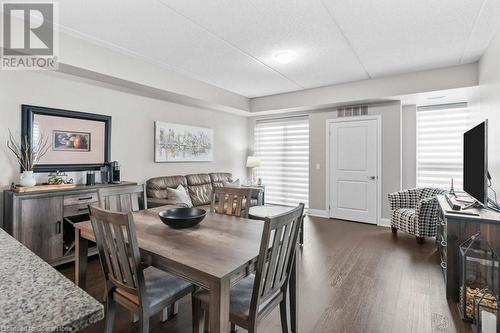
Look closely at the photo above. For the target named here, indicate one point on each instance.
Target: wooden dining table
(214, 255)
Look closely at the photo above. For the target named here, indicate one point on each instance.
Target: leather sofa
(199, 187)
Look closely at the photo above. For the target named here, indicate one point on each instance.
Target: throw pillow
(236, 183)
(179, 196)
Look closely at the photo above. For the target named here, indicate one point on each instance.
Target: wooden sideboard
(42, 220)
(453, 230)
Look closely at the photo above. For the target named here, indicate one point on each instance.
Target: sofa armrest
(402, 199)
(427, 214)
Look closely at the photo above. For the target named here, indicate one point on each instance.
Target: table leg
(81, 258)
(293, 289)
(219, 306)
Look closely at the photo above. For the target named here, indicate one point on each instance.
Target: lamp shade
(253, 162)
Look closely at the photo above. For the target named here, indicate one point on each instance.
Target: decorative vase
(27, 179)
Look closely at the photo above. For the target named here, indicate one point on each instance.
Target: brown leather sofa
(199, 187)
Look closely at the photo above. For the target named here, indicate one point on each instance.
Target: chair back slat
(232, 201)
(123, 198)
(117, 244)
(276, 255)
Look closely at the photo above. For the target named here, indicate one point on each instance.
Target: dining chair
(255, 296)
(130, 283)
(231, 201)
(123, 198)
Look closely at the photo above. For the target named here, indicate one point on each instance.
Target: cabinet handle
(58, 227)
(86, 198)
(443, 243)
(443, 264)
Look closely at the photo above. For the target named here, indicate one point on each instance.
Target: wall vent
(352, 111)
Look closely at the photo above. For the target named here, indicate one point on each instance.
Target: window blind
(283, 149)
(440, 131)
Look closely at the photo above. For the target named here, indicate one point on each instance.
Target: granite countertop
(34, 297)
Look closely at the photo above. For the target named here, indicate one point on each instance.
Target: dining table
(213, 255)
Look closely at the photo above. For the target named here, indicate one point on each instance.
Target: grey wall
(489, 90)
(133, 124)
(409, 145)
(391, 153)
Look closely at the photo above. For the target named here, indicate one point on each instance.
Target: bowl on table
(179, 218)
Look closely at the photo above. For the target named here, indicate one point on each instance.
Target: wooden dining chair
(231, 201)
(255, 296)
(130, 283)
(123, 198)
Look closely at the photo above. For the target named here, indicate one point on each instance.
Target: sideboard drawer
(74, 210)
(84, 198)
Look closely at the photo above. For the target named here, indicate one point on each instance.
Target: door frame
(378, 119)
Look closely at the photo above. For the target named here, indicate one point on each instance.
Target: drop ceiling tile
(152, 30)
(395, 36)
(486, 28)
(263, 27)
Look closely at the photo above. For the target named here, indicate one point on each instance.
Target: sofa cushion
(218, 178)
(157, 187)
(198, 179)
(200, 194)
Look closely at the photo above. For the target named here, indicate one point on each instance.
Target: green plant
(27, 155)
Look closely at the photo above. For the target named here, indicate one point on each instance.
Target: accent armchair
(415, 211)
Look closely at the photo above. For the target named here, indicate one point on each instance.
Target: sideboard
(453, 229)
(43, 220)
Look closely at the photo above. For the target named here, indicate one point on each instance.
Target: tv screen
(476, 162)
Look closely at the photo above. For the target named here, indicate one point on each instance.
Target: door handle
(58, 227)
(372, 177)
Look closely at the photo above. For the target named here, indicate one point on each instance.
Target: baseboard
(317, 213)
(384, 222)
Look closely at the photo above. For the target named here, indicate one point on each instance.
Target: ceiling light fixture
(284, 57)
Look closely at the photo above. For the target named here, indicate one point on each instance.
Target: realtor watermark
(29, 37)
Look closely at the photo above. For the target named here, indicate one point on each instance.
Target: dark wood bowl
(179, 218)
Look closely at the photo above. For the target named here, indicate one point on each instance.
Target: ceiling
(230, 43)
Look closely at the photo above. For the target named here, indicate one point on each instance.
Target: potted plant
(27, 155)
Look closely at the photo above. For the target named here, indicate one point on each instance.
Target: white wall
(133, 124)
(489, 91)
(409, 143)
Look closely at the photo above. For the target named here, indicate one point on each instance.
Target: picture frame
(75, 139)
(182, 143)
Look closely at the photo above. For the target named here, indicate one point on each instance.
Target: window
(440, 131)
(283, 149)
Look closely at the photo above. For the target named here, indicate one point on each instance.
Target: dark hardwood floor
(353, 278)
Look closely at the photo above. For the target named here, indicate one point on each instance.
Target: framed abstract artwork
(182, 143)
(78, 141)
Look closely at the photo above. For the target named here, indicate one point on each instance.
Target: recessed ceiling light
(436, 97)
(284, 57)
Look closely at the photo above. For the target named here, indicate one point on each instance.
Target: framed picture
(182, 143)
(78, 141)
(70, 141)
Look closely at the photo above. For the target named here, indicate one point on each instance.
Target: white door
(353, 170)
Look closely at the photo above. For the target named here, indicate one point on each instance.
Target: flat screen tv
(476, 162)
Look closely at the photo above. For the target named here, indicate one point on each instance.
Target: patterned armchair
(415, 211)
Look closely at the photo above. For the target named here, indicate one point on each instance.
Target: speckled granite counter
(34, 297)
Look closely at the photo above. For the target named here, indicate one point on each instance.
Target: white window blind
(283, 149)
(440, 131)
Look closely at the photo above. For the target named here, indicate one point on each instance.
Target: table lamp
(252, 163)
